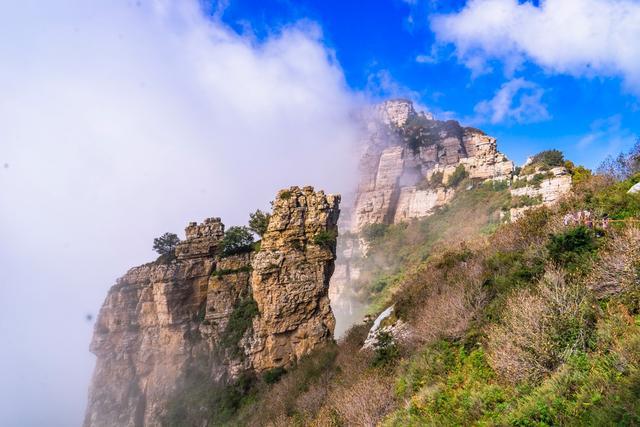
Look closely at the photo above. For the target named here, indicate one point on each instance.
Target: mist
(119, 121)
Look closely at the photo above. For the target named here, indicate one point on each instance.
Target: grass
(396, 250)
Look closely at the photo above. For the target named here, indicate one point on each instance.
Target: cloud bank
(582, 38)
(121, 120)
(517, 100)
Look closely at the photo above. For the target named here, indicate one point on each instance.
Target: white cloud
(607, 135)
(120, 120)
(575, 37)
(517, 100)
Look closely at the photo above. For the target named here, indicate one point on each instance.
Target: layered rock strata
(541, 188)
(217, 316)
(404, 149)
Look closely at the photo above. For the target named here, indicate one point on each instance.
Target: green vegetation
(201, 403)
(522, 201)
(285, 195)
(236, 240)
(259, 222)
(570, 247)
(386, 350)
(532, 323)
(239, 322)
(433, 182)
(458, 175)
(273, 375)
(326, 238)
(551, 158)
(166, 244)
(227, 271)
(544, 161)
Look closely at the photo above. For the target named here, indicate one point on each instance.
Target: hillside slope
(535, 322)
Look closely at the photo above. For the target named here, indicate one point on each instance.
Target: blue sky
(389, 48)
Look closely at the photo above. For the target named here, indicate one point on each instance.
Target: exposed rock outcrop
(291, 274)
(541, 188)
(404, 149)
(212, 315)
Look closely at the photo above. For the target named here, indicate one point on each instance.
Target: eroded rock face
(546, 192)
(404, 148)
(166, 320)
(291, 276)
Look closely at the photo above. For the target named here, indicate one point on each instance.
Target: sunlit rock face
(164, 321)
(557, 183)
(403, 150)
(291, 276)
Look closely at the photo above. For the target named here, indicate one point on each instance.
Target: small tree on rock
(166, 243)
(258, 222)
(236, 240)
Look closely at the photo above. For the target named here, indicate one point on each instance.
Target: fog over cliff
(121, 120)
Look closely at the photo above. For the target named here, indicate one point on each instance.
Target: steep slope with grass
(535, 322)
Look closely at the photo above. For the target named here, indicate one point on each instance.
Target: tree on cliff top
(166, 243)
(258, 222)
(236, 240)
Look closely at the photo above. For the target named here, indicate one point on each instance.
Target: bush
(618, 268)
(372, 232)
(525, 200)
(458, 175)
(240, 321)
(541, 328)
(572, 246)
(165, 244)
(434, 181)
(551, 158)
(236, 240)
(385, 349)
(201, 402)
(272, 376)
(259, 222)
(326, 239)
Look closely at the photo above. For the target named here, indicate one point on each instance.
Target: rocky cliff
(409, 157)
(207, 317)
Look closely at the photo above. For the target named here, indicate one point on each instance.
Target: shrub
(240, 321)
(326, 239)
(372, 232)
(525, 200)
(285, 194)
(236, 240)
(618, 268)
(572, 246)
(365, 402)
(551, 158)
(385, 349)
(458, 175)
(273, 375)
(433, 182)
(259, 222)
(201, 402)
(165, 244)
(541, 328)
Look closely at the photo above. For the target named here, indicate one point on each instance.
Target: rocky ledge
(211, 317)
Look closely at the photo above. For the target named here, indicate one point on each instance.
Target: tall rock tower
(171, 323)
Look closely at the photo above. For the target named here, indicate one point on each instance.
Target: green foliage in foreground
(446, 384)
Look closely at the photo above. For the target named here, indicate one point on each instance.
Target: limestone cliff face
(164, 321)
(554, 184)
(403, 150)
(291, 276)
